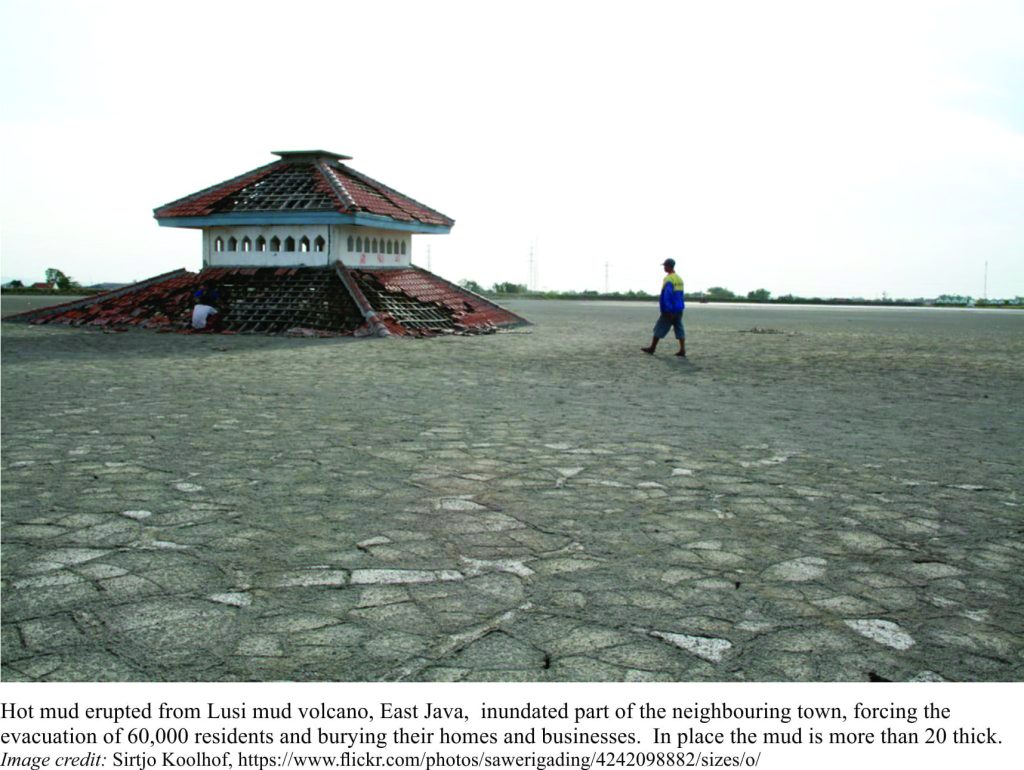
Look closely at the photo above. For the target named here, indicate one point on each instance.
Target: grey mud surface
(837, 500)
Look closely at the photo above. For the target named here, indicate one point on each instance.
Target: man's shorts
(668, 321)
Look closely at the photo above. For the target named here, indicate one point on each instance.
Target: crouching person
(205, 315)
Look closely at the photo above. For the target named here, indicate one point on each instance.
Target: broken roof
(304, 186)
(325, 300)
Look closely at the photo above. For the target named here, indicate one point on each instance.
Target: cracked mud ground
(840, 500)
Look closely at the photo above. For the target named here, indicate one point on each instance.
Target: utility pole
(529, 275)
(985, 294)
(605, 277)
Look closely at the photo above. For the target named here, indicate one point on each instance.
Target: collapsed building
(302, 245)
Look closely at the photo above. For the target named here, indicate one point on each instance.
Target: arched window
(232, 243)
(261, 244)
(391, 246)
(246, 244)
(289, 244)
(218, 245)
(319, 244)
(403, 248)
(351, 243)
(374, 249)
(275, 244)
(359, 244)
(304, 244)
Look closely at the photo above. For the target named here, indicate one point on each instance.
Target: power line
(533, 279)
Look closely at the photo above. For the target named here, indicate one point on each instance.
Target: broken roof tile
(305, 183)
(407, 301)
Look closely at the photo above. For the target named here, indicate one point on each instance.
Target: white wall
(367, 257)
(335, 246)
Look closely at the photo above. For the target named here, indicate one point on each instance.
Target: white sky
(819, 148)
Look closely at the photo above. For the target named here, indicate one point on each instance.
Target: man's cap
(669, 263)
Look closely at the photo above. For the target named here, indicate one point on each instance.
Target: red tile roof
(308, 182)
(468, 311)
(407, 301)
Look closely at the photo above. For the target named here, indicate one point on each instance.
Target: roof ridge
(389, 192)
(346, 201)
(263, 170)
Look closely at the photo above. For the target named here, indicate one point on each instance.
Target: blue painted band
(301, 218)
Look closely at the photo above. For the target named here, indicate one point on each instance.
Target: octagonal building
(306, 209)
(302, 245)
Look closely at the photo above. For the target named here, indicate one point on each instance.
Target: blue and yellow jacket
(672, 299)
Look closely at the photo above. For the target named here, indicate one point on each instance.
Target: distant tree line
(721, 294)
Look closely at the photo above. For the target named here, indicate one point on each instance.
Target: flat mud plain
(816, 494)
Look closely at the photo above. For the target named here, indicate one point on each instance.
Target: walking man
(672, 303)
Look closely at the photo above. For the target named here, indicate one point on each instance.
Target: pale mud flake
(167, 545)
(706, 545)
(603, 483)
(715, 584)
(797, 570)
(558, 447)
(380, 595)
(495, 522)
(47, 581)
(232, 599)
(968, 487)
(511, 566)
(920, 526)
(66, 557)
(682, 472)
(843, 604)
(864, 541)
(928, 676)
(569, 472)
(100, 571)
(978, 616)
(79, 451)
(560, 565)
(260, 646)
(399, 576)
(22, 464)
(680, 575)
(707, 647)
(755, 625)
(371, 542)
(137, 515)
(882, 631)
(777, 460)
(650, 485)
(312, 577)
(187, 486)
(457, 504)
(935, 570)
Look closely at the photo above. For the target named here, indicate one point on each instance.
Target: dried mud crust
(838, 501)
